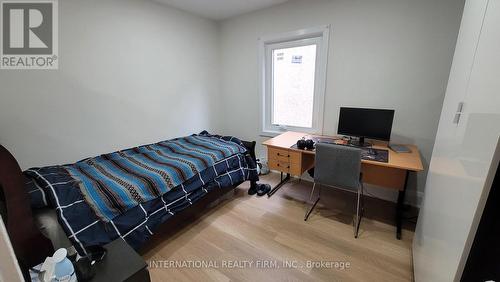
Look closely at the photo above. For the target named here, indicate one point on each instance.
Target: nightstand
(121, 263)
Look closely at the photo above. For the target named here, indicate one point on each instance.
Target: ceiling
(220, 9)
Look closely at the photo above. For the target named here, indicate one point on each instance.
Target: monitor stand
(360, 142)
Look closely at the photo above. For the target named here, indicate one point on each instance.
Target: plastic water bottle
(63, 268)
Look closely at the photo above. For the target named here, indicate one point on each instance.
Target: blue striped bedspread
(147, 185)
(114, 183)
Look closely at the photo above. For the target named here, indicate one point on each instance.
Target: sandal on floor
(263, 189)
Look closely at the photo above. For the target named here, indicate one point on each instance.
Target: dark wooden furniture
(121, 263)
(30, 246)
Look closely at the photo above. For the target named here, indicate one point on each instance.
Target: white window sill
(270, 133)
(274, 133)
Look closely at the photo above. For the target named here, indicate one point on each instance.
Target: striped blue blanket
(138, 218)
(114, 183)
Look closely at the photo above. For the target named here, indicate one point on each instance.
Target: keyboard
(368, 153)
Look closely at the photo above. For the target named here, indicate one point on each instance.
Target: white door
(463, 150)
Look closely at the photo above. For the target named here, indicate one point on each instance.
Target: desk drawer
(283, 155)
(279, 165)
(285, 166)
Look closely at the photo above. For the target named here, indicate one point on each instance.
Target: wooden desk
(392, 175)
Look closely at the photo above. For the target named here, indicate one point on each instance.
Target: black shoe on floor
(263, 189)
(253, 190)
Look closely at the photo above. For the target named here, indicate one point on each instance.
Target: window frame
(303, 37)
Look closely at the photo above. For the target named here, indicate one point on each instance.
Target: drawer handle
(286, 167)
(279, 155)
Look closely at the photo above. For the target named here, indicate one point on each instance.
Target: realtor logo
(29, 34)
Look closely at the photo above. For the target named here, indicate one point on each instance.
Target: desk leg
(400, 207)
(277, 187)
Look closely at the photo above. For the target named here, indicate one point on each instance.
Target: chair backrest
(337, 165)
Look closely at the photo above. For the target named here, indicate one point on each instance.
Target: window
(293, 81)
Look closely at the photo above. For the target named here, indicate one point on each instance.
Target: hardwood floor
(270, 241)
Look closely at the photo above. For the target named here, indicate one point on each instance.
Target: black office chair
(338, 166)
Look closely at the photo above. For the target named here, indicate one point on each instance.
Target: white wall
(383, 54)
(130, 72)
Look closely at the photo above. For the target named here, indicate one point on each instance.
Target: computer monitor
(366, 123)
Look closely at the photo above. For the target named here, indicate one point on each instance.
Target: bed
(137, 194)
